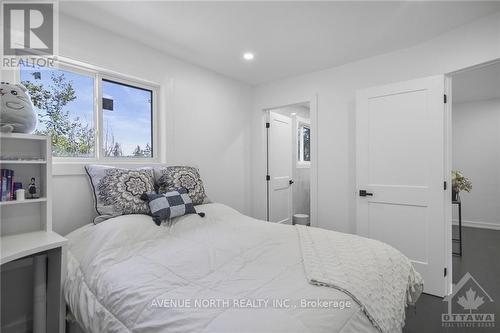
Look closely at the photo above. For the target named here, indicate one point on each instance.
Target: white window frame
(302, 122)
(99, 74)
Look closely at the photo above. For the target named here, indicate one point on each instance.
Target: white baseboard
(478, 224)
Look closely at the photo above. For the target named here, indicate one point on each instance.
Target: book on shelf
(3, 183)
(7, 185)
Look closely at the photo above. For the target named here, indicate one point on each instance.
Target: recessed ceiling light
(294, 113)
(248, 56)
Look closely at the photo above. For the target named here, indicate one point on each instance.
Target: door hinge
(445, 185)
(268, 178)
(445, 271)
(445, 99)
(268, 125)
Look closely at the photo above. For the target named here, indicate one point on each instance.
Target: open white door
(280, 168)
(400, 173)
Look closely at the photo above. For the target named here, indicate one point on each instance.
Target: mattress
(225, 272)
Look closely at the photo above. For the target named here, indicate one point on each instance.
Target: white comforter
(225, 272)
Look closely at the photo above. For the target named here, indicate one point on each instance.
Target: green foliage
(139, 152)
(148, 151)
(117, 150)
(69, 136)
(307, 143)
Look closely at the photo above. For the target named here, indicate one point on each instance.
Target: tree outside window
(304, 144)
(64, 102)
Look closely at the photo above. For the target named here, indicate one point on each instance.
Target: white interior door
(280, 168)
(400, 165)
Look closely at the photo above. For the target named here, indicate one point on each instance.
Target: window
(127, 113)
(121, 125)
(64, 102)
(304, 144)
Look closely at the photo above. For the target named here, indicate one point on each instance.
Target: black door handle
(363, 193)
(290, 181)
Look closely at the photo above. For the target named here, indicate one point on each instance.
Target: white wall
(205, 119)
(302, 191)
(476, 152)
(335, 88)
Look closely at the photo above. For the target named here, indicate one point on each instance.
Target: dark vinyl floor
(481, 258)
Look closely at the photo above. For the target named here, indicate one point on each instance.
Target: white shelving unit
(29, 156)
(26, 227)
(16, 202)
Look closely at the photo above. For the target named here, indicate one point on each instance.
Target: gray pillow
(174, 177)
(118, 191)
(168, 205)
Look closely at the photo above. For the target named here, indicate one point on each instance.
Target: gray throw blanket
(378, 277)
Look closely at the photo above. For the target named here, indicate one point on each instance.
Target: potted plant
(459, 183)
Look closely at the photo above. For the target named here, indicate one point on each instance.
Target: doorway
(407, 128)
(289, 164)
(474, 152)
(472, 125)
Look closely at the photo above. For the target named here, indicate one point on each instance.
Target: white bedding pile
(129, 275)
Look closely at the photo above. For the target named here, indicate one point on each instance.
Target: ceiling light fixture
(248, 56)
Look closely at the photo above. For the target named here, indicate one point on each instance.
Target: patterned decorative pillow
(118, 191)
(167, 205)
(173, 177)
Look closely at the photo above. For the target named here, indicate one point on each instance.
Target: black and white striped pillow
(170, 204)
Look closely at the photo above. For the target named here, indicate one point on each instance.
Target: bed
(224, 272)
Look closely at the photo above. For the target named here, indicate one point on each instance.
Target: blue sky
(130, 120)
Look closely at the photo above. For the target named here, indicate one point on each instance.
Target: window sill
(67, 168)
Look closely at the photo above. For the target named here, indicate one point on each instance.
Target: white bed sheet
(120, 271)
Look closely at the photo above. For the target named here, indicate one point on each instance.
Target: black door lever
(363, 193)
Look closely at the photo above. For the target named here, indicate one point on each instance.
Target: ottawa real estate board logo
(28, 32)
(469, 306)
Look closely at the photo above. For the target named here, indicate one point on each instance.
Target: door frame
(313, 112)
(448, 206)
(448, 159)
(445, 193)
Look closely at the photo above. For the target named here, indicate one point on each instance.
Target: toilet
(302, 219)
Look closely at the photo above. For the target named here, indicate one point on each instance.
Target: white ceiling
(288, 38)
(477, 84)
